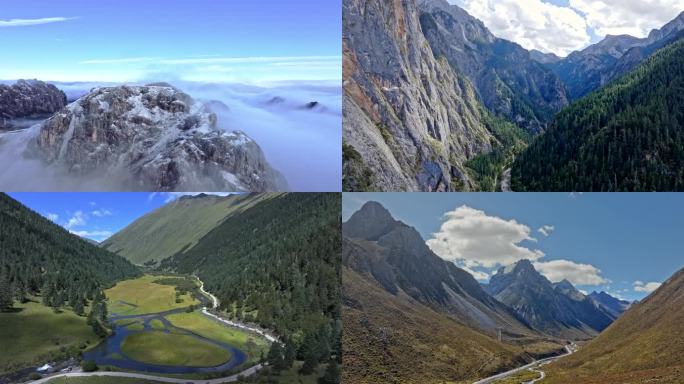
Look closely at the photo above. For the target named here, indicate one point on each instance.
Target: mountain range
(400, 300)
(558, 309)
(433, 101)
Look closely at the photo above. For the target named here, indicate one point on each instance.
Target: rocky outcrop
(159, 137)
(595, 66)
(410, 122)
(28, 98)
(507, 78)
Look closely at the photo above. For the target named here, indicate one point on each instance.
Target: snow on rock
(160, 136)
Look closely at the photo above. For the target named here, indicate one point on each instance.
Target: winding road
(229, 379)
(531, 366)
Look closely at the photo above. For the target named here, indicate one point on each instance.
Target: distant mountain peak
(369, 222)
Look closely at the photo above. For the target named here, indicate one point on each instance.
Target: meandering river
(109, 351)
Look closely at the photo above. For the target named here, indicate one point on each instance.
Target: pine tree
(332, 374)
(290, 354)
(6, 301)
(275, 357)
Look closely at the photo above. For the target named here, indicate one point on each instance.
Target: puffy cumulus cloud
(640, 286)
(478, 275)
(632, 17)
(546, 230)
(52, 216)
(472, 238)
(534, 24)
(576, 273)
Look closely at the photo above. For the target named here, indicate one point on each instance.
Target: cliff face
(410, 122)
(507, 78)
(156, 135)
(28, 98)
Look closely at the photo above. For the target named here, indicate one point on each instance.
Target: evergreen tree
(275, 357)
(332, 374)
(289, 355)
(6, 301)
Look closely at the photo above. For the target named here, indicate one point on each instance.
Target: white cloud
(52, 216)
(29, 22)
(472, 238)
(576, 273)
(632, 17)
(93, 235)
(534, 24)
(546, 230)
(640, 286)
(101, 212)
(76, 220)
(478, 275)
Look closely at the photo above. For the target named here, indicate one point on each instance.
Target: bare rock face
(159, 136)
(508, 80)
(28, 98)
(410, 122)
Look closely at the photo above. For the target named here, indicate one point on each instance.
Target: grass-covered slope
(394, 339)
(644, 345)
(628, 136)
(176, 226)
(34, 333)
(277, 264)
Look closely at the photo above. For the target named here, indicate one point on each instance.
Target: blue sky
(95, 215)
(199, 40)
(627, 240)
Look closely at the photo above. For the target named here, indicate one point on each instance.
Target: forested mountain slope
(176, 226)
(38, 256)
(627, 136)
(644, 345)
(276, 263)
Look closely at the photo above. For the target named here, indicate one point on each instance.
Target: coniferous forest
(40, 257)
(278, 264)
(627, 136)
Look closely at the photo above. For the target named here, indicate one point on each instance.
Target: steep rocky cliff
(508, 80)
(410, 121)
(28, 98)
(158, 137)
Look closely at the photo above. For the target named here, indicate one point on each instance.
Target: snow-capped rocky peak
(159, 136)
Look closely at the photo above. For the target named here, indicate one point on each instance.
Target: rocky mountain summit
(28, 98)
(557, 309)
(158, 138)
(395, 256)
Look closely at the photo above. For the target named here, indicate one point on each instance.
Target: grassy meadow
(173, 349)
(142, 295)
(35, 333)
